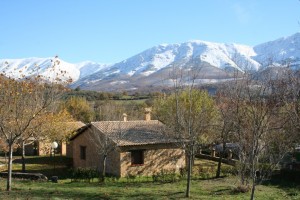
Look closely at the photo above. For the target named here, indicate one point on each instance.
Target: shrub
(204, 172)
(229, 170)
(84, 174)
(183, 172)
(241, 189)
(165, 176)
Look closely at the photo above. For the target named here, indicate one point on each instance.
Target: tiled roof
(76, 128)
(129, 133)
(76, 125)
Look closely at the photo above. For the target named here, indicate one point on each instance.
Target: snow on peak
(49, 68)
(282, 50)
(196, 53)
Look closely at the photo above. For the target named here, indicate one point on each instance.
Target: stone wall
(69, 149)
(91, 155)
(94, 155)
(155, 160)
(157, 157)
(44, 148)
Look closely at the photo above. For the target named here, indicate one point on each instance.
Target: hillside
(202, 61)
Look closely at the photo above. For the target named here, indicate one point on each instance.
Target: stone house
(39, 147)
(139, 147)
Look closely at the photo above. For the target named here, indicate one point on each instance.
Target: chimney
(147, 114)
(124, 117)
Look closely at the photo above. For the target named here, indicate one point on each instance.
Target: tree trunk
(187, 194)
(103, 168)
(219, 165)
(189, 172)
(253, 188)
(23, 156)
(220, 160)
(8, 186)
(253, 171)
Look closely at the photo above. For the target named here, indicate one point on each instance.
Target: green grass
(201, 189)
(49, 166)
(140, 188)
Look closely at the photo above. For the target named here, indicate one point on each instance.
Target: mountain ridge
(153, 66)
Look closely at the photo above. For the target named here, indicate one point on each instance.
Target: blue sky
(109, 31)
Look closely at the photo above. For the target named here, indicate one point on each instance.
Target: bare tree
(188, 112)
(102, 140)
(102, 144)
(21, 102)
(258, 119)
(225, 126)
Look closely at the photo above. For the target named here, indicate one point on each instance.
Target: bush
(165, 176)
(84, 174)
(204, 172)
(241, 189)
(229, 170)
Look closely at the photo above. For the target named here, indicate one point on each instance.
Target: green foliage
(165, 176)
(88, 95)
(104, 96)
(80, 109)
(84, 174)
(113, 110)
(191, 113)
(229, 170)
(204, 172)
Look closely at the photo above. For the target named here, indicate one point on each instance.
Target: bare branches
(22, 102)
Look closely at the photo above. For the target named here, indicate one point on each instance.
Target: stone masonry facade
(155, 160)
(156, 157)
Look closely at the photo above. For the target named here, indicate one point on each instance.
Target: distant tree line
(101, 96)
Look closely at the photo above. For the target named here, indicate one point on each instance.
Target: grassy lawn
(49, 166)
(201, 189)
(141, 188)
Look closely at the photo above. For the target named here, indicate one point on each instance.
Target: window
(137, 157)
(82, 152)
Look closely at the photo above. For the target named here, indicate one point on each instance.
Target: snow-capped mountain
(205, 61)
(158, 57)
(285, 50)
(153, 66)
(49, 68)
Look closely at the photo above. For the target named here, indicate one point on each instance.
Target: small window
(137, 157)
(82, 152)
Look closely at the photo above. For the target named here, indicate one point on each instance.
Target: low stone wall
(31, 176)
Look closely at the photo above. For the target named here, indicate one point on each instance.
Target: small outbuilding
(42, 146)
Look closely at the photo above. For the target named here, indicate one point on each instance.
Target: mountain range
(206, 62)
